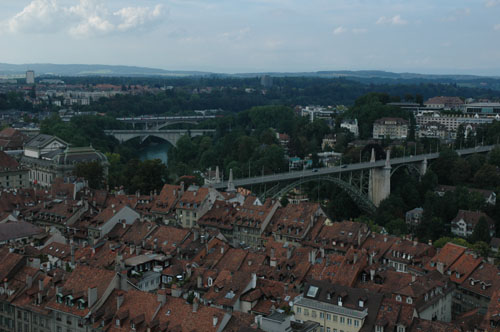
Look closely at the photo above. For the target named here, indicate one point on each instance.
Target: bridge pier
(423, 167)
(379, 185)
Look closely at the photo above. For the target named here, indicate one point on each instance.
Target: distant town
(275, 204)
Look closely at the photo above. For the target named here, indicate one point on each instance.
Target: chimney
(413, 278)
(124, 280)
(355, 258)
(195, 235)
(29, 281)
(222, 249)
(312, 256)
(215, 320)
(272, 253)
(73, 254)
(188, 271)
(440, 267)
(119, 301)
(385, 238)
(40, 284)
(372, 274)
(162, 297)
(322, 252)
(253, 281)
(92, 296)
(195, 304)
(39, 298)
(289, 252)
(199, 282)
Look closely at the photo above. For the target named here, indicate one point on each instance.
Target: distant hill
(364, 76)
(90, 70)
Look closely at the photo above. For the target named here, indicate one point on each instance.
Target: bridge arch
(410, 167)
(166, 124)
(354, 193)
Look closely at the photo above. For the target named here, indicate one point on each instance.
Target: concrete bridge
(367, 183)
(158, 122)
(171, 136)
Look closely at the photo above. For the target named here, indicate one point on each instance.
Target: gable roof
(42, 140)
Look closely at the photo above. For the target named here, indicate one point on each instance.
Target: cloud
(395, 20)
(39, 15)
(339, 30)
(497, 27)
(132, 17)
(358, 31)
(492, 3)
(82, 19)
(235, 35)
(459, 13)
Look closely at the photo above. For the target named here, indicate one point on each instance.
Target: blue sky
(426, 36)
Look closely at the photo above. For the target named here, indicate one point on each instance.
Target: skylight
(313, 290)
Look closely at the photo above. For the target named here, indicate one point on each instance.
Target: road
(345, 168)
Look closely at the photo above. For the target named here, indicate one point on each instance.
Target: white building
(30, 77)
(393, 128)
(351, 125)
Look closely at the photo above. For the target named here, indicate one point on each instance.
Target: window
(342, 320)
(299, 310)
(321, 315)
(334, 318)
(313, 313)
(306, 312)
(328, 317)
(356, 323)
(349, 321)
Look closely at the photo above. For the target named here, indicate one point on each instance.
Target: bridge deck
(341, 169)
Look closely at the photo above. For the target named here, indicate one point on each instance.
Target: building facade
(393, 128)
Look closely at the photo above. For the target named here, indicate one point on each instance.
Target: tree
(481, 248)
(494, 156)
(145, 176)
(487, 177)
(481, 231)
(92, 171)
(456, 240)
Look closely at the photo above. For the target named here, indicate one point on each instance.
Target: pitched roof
(41, 140)
(472, 217)
(18, 229)
(7, 163)
(446, 256)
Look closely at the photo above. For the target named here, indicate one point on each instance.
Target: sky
(231, 36)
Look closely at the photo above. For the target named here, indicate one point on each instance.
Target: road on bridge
(344, 168)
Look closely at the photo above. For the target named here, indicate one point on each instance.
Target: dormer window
(409, 300)
(339, 302)
(210, 281)
(361, 303)
(117, 322)
(398, 298)
(457, 275)
(59, 298)
(81, 304)
(472, 282)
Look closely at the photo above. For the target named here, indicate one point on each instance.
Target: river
(155, 151)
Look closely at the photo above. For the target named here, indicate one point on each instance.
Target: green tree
(481, 232)
(481, 248)
(92, 171)
(487, 177)
(456, 240)
(494, 156)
